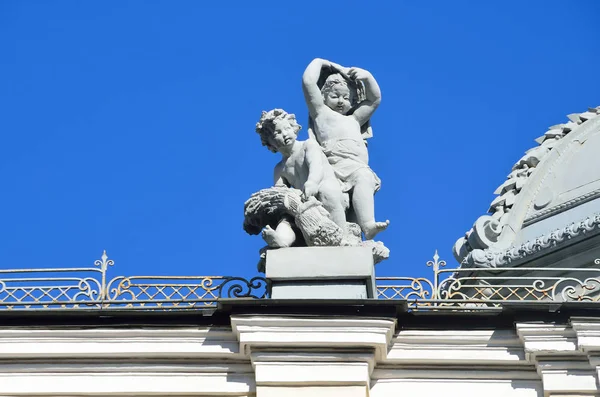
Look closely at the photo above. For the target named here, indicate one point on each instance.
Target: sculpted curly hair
(266, 125)
(333, 80)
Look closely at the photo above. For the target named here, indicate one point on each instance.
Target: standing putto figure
(340, 102)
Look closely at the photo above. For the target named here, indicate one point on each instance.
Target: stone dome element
(553, 187)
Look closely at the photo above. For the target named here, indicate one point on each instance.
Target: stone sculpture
(324, 181)
(337, 117)
(303, 164)
(280, 212)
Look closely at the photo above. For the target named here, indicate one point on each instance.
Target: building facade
(519, 316)
(150, 336)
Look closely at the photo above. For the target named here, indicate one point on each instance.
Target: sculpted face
(338, 98)
(284, 134)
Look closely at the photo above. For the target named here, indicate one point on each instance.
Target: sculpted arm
(278, 179)
(372, 91)
(314, 159)
(312, 93)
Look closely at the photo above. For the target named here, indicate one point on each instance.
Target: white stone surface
(301, 356)
(94, 384)
(320, 289)
(312, 373)
(318, 332)
(319, 262)
(544, 339)
(321, 272)
(312, 391)
(567, 376)
(456, 347)
(456, 388)
(214, 342)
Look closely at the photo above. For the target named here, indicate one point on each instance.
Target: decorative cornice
(564, 354)
(489, 258)
(263, 332)
(547, 212)
(541, 339)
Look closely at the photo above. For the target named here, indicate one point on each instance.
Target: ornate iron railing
(492, 287)
(90, 288)
(77, 288)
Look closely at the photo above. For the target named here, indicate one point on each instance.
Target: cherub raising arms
(337, 127)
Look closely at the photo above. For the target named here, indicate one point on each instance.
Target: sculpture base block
(321, 273)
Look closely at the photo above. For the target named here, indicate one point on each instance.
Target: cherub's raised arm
(372, 92)
(312, 93)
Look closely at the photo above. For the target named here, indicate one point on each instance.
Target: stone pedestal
(321, 273)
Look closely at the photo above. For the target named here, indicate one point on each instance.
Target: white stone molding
(456, 372)
(116, 362)
(588, 334)
(564, 355)
(127, 384)
(551, 240)
(545, 213)
(351, 367)
(113, 342)
(569, 376)
(312, 391)
(312, 356)
(307, 373)
(463, 387)
(260, 332)
(456, 347)
(540, 339)
(588, 337)
(450, 362)
(106, 366)
(268, 356)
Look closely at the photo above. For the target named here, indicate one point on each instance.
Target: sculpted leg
(283, 236)
(331, 197)
(363, 203)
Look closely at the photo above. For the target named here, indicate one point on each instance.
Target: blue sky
(129, 126)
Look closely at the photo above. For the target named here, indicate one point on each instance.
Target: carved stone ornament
(491, 259)
(323, 193)
(527, 194)
(309, 220)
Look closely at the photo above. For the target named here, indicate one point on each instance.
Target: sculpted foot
(276, 239)
(372, 230)
(270, 237)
